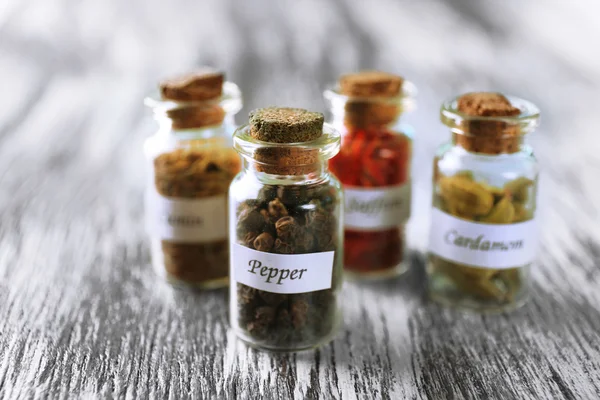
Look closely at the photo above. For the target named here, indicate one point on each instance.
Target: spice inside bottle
(286, 233)
(192, 163)
(374, 168)
(483, 238)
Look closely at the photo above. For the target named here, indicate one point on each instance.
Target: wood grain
(82, 314)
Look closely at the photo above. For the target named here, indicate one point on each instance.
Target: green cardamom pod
(496, 192)
(466, 197)
(502, 213)
(476, 282)
(462, 196)
(466, 174)
(519, 189)
(522, 213)
(513, 281)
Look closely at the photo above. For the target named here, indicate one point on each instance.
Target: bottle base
(324, 340)
(474, 305)
(196, 266)
(173, 280)
(476, 289)
(377, 274)
(209, 285)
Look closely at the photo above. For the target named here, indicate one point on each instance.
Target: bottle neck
(283, 173)
(491, 145)
(167, 127)
(369, 116)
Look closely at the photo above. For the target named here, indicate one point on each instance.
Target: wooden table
(83, 315)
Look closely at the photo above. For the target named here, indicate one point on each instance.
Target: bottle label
(482, 245)
(186, 220)
(282, 273)
(372, 209)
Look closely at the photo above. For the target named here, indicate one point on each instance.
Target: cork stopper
(200, 85)
(286, 126)
(486, 104)
(488, 135)
(371, 84)
(372, 98)
(195, 94)
(198, 116)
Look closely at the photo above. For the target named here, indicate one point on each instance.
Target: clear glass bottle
(374, 168)
(483, 237)
(286, 240)
(191, 164)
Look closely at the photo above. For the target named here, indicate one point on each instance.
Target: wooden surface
(81, 313)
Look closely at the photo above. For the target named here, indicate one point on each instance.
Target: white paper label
(282, 273)
(186, 220)
(482, 245)
(376, 208)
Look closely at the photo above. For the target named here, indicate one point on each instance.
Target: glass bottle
(286, 232)
(483, 237)
(374, 168)
(191, 163)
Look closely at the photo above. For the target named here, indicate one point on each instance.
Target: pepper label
(496, 246)
(282, 273)
(373, 209)
(186, 220)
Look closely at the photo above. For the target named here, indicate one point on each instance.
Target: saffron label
(373, 209)
(282, 273)
(186, 220)
(496, 246)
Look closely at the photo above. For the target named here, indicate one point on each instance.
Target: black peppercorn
(250, 220)
(246, 294)
(287, 228)
(299, 310)
(249, 239)
(264, 242)
(266, 194)
(272, 299)
(294, 226)
(264, 316)
(277, 210)
(282, 247)
(304, 241)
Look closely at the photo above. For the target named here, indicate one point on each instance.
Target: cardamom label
(186, 220)
(378, 208)
(282, 273)
(496, 246)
